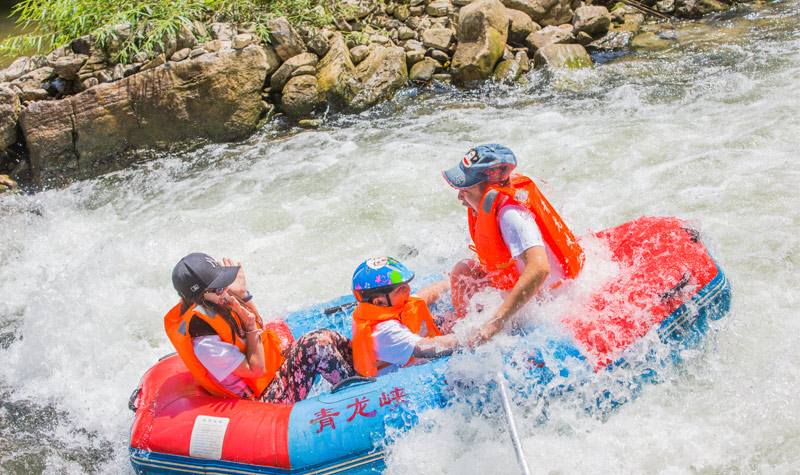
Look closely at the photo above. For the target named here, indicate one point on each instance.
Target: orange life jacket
(484, 227)
(366, 316)
(176, 323)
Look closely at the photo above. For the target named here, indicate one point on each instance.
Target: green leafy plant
(131, 26)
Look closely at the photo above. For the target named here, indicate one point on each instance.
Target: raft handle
(339, 308)
(694, 235)
(132, 400)
(352, 380)
(678, 287)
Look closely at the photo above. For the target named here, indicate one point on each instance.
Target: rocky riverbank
(75, 113)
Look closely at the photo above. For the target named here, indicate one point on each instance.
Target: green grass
(50, 24)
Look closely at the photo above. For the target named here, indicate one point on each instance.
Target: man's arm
(530, 281)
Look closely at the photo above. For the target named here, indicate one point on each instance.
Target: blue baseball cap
(490, 162)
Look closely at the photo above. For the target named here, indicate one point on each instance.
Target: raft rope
(512, 426)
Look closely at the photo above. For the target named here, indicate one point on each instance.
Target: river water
(708, 130)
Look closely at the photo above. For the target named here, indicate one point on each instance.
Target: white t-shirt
(520, 233)
(220, 359)
(394, 344)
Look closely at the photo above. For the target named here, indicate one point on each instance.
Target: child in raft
(218, 333)
(391, 327)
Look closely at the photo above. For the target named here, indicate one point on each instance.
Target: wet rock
(380, 75)
(286, 70)
(520, 27)
(443, 77)
(7, 184)
(300, 96)
(439, 8)
(285, 39)
(593, 20)
(309, 123)
(583, 38)
(359, 53)
(698, 8)
(482, 35)
(213, 97)
(424, 70)
(438, 55)
(507, 71)
(181, 54)
(544, 12)
(613, 40)
(521, 57)
(10, 108)
(22, 66)
(650, 41)
(665, 6)
(561, 56)
(67, 67)
(438, 38)
(547, 36)
(335, 73)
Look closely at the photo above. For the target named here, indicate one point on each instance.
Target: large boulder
(520, 27)
(300, 96)
(549, 35)
(563, 57)
(285, 39)
(482, 35)
(544, 12)
(698, 8)
(286, 70)
(214, 97)
(438, 38)
(380, 75)
(593, 20)
(9, 113)
(22, 66)
(424, 70)
(335, 73)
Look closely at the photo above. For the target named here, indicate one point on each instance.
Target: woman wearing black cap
(218, 332)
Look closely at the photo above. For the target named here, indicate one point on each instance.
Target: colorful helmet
(379, 275)
(491, 162)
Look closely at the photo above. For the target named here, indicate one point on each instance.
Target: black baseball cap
(198, 272)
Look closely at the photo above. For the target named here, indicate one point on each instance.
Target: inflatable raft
(669, 290)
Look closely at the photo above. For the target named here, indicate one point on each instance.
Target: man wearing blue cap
(522, 245)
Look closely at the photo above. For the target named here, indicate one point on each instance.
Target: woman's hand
(239, 286)
(248, 318)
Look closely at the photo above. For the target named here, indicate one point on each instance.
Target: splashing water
(707, 130)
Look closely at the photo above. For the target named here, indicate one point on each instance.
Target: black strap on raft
(351, 381)
(339, 308)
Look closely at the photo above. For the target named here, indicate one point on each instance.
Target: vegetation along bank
(124, 80)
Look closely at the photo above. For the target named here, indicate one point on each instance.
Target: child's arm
(437, 346)
(431, 293)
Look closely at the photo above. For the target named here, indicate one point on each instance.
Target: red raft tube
(670, 288)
